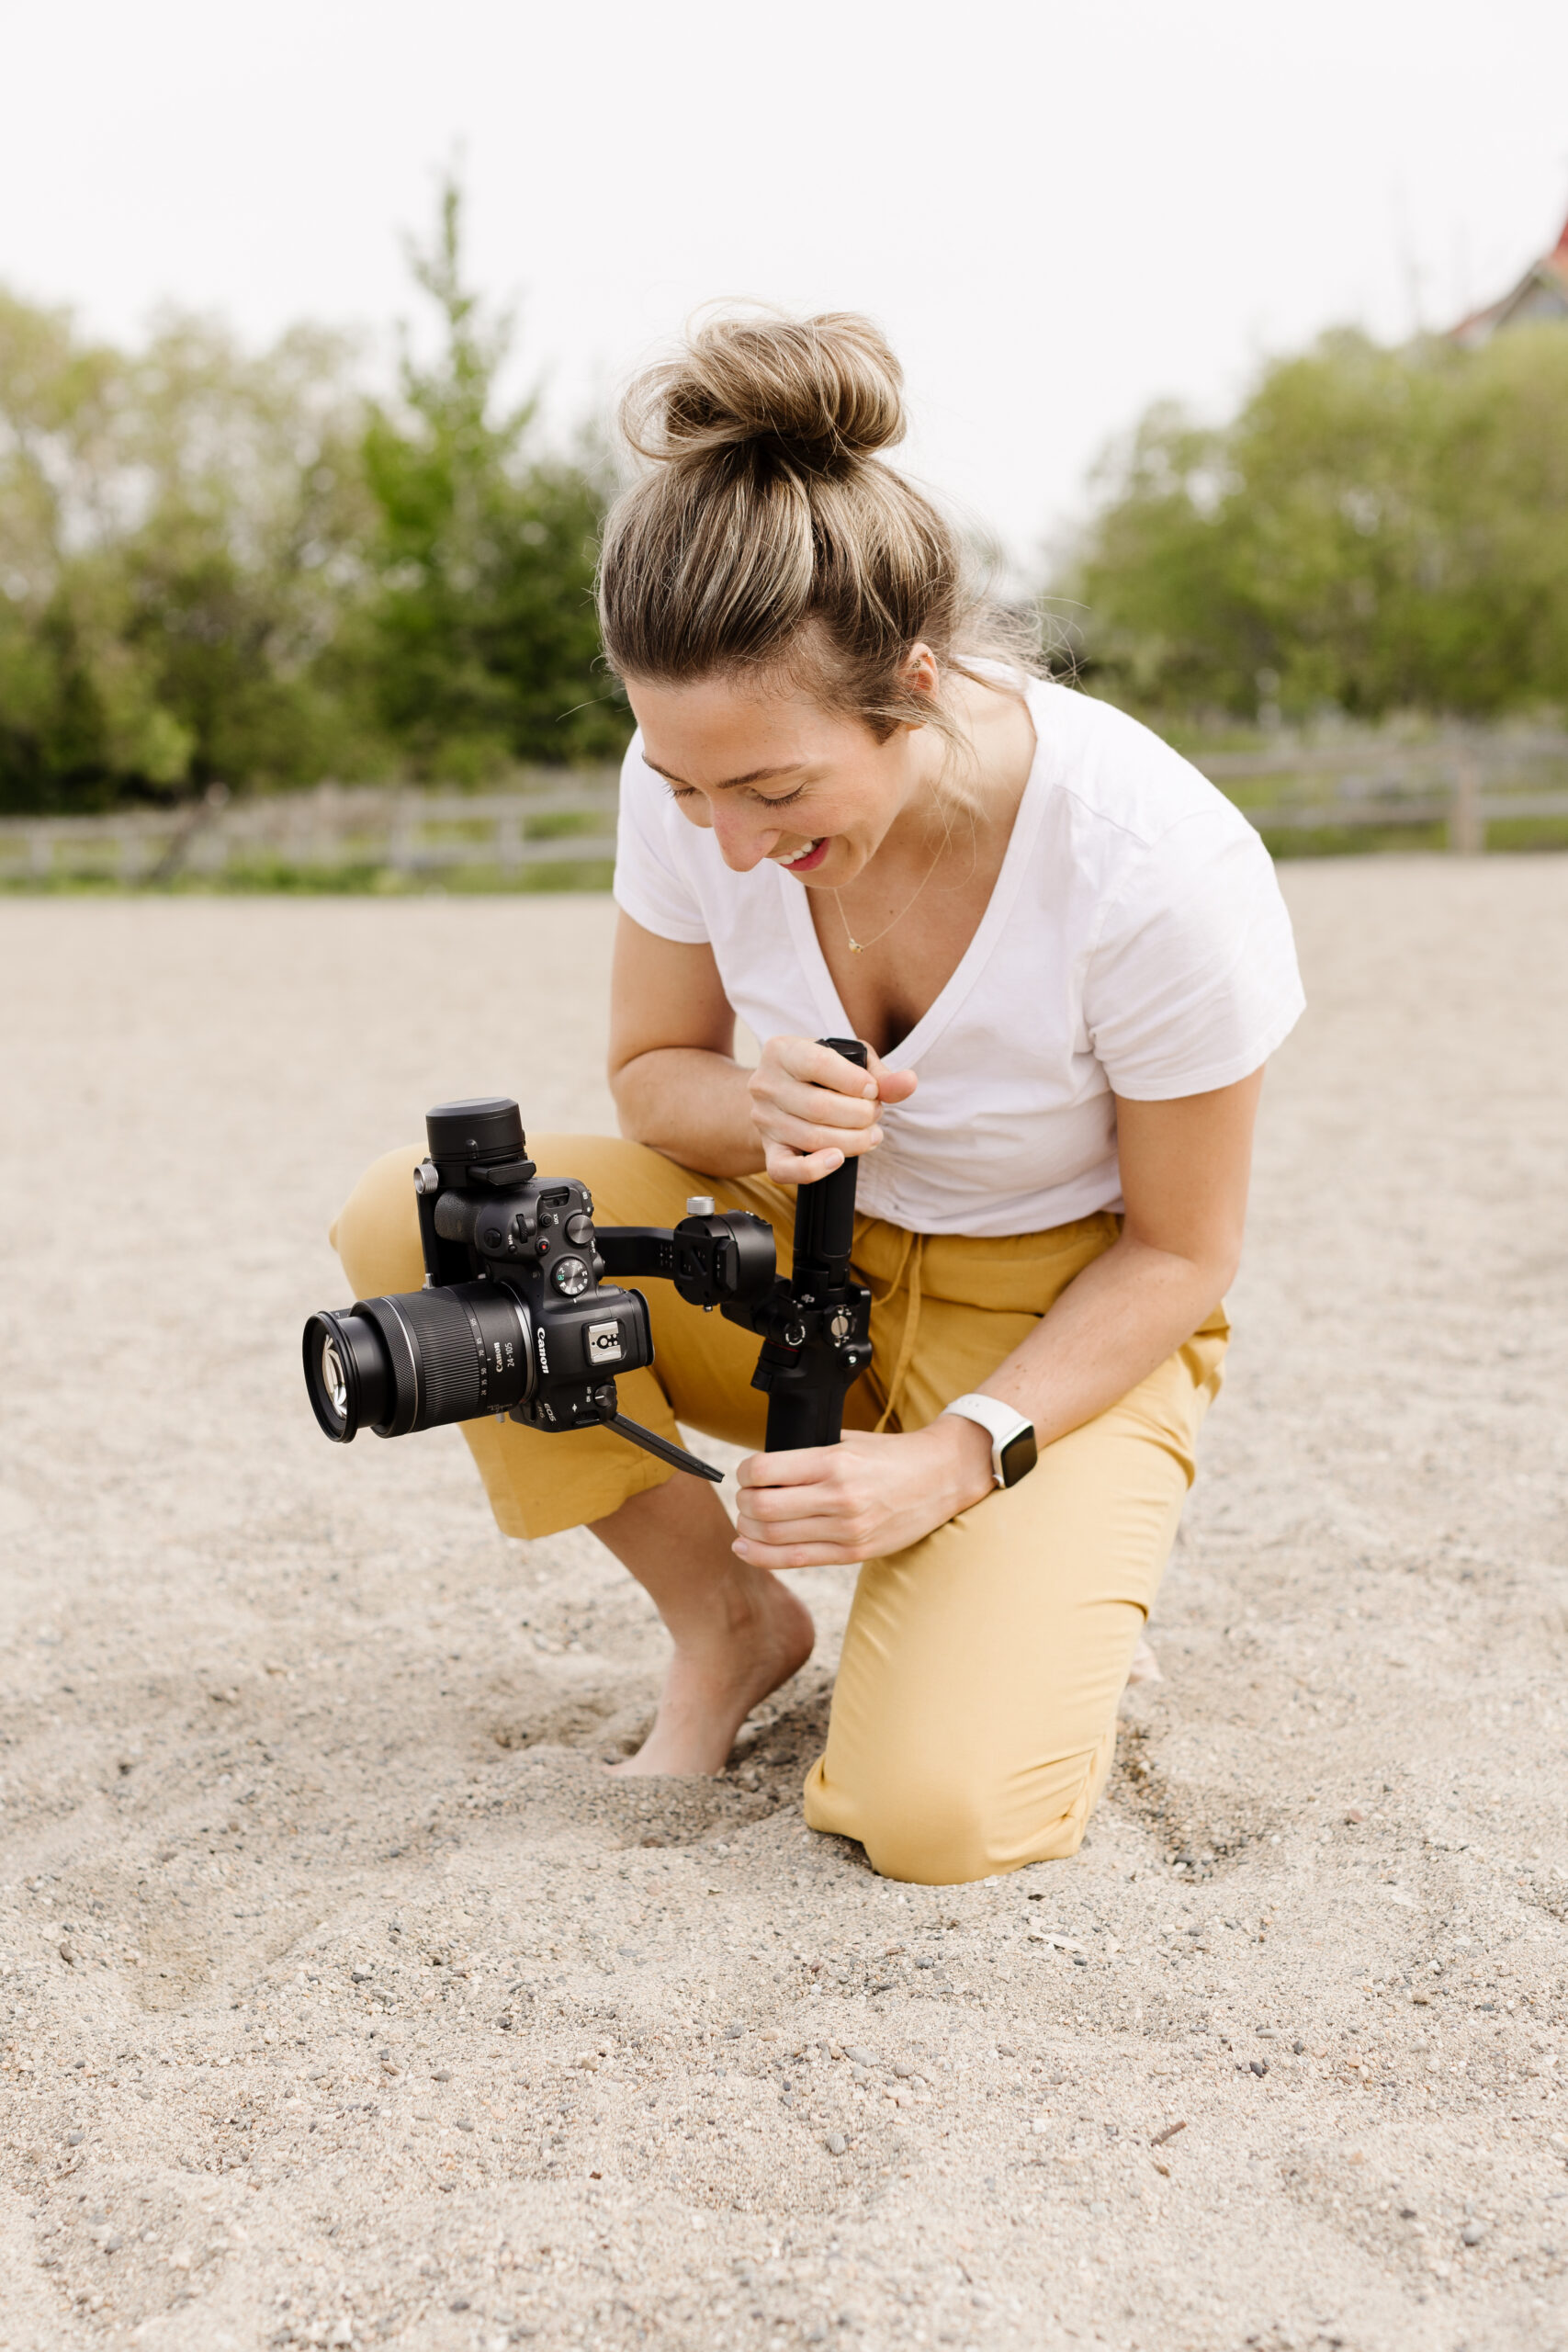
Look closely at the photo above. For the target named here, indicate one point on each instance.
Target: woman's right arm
(678, 1088)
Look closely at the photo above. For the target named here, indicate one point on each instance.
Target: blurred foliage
(215, 565)
(1376, 530)
(480, 636)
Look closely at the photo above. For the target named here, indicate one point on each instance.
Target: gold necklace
(859, 946)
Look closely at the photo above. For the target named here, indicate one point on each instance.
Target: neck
(992, 767)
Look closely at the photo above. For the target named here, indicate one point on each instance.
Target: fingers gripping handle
(825, 1211)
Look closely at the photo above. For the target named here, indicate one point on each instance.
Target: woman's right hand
(813, 1110)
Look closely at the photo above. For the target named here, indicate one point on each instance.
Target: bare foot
(757, 1639)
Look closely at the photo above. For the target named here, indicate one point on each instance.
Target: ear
(919, 674)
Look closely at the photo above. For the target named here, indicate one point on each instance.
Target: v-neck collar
(999, 907)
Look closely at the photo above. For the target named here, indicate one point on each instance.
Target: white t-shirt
(1135, 943)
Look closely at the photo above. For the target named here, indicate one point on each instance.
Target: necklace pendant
(855, 947)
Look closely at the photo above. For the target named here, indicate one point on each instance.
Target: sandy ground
(345, 2001)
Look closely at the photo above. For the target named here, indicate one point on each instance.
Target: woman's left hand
(828, 1506)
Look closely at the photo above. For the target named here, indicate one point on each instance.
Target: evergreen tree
(480, 641)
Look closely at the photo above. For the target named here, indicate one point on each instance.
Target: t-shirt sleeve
(1193, 982)
(649, 883)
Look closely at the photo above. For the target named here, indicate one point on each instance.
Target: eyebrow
(757, 775)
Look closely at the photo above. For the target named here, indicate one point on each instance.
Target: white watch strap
(1000, 1423)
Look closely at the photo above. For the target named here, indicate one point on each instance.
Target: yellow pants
(975, 1712)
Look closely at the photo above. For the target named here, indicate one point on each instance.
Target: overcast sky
(1058, 212)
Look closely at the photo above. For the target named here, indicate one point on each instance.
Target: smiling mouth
(804, 860)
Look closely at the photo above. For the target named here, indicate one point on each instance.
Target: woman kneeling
(851, 809)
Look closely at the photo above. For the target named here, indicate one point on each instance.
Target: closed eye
(762, 800)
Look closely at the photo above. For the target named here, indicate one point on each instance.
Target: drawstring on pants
(911, 1260)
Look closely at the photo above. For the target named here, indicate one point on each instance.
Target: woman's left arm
(1185, 1166)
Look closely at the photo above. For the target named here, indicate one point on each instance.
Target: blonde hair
(764, 535)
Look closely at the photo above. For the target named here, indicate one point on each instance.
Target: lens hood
(346, 1373)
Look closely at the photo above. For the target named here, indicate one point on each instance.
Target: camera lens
(419, 1361)
(346, 1371)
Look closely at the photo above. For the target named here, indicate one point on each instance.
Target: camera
(517, 1318)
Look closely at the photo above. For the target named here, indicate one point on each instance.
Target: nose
(741, 843)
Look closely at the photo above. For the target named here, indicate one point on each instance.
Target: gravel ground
(346, 2001)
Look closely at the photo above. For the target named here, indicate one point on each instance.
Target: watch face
(1020, 1455)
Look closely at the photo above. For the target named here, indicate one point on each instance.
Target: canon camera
(521, 1313)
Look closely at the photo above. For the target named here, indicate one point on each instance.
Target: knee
(926, 1829)
(933, 1835)
(949, 1829)
(376, 1233)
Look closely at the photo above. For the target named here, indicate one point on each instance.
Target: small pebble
(442, 2075)
(861, 2057)
(1472, 2232)
(837, 2143)
(360, 1976)
(1352, 1817)
(75, 2139)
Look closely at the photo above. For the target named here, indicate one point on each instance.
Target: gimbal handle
(825, 1211)
(808, 1378)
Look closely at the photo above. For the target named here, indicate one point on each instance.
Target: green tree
(177, 533)
(1375, 529)
(481, 638)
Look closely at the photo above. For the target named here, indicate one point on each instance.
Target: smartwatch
(1013, 1450)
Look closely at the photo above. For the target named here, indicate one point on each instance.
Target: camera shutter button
(579, 1229)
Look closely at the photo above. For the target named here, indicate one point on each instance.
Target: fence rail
(332, 831)
(1464, 780)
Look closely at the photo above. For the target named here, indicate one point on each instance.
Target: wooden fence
(335, 830)
(1465, 782)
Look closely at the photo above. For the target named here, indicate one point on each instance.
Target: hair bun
(817, 393)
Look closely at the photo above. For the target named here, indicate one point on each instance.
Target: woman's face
(775, 776)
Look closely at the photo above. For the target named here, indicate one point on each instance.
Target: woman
(849, 810)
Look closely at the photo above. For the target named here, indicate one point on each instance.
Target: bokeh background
(314, 317)
(344, 2000)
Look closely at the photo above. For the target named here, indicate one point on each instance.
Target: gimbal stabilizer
(515, 1317)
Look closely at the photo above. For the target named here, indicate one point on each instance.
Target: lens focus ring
(458, 1352)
